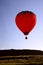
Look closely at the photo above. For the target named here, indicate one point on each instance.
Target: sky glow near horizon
(10, 36)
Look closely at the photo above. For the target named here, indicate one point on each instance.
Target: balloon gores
(25, 21)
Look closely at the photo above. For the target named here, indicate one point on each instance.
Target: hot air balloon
(25, 21)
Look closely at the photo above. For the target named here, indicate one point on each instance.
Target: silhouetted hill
(13, 52)
(21, 57)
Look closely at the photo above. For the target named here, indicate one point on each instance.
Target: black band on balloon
(25, 33)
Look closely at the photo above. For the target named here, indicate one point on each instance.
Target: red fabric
(25, 21)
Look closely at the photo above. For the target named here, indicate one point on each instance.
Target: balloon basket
(26, 37)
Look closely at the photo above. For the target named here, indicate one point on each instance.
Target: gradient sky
(10, 36)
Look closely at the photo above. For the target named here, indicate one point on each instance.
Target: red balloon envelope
(25, 21)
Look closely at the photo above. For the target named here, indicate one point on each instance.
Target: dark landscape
(21, 57)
